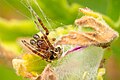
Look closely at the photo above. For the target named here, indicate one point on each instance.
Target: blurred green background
(16, 22)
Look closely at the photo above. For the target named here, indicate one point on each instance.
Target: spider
(40, 45)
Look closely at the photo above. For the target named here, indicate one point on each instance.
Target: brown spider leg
(46, 38)
(41, 23)
(39, 20)
(47, 32)
(33, 50)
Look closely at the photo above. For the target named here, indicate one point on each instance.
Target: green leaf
(79, 65)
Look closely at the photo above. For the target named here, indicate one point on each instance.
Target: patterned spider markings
(40, 45)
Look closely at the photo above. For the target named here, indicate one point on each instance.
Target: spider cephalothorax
(41, 45)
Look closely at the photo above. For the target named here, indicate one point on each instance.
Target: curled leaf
(102, 35)
(29, 66)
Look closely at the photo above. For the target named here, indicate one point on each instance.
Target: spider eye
(51, 57)
(56, 50)
(32, 41)
(36, 36)
(47, 33)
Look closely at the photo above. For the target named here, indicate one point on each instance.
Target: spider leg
(41, 23)
(34, 50)
(39, 20)
(46, 38)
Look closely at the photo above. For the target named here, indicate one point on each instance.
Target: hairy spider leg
(39, 53)
(39, 20)
(41, 23)
(46, 38)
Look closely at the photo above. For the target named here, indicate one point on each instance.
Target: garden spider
(40, 45)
